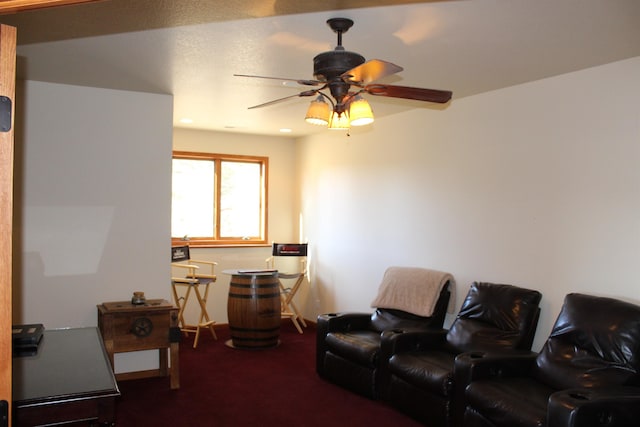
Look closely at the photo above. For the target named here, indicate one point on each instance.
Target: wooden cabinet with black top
(153, 325)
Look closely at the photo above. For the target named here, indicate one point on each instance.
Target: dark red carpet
(221, 386)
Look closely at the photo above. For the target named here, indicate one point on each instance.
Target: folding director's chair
(292, 280)
(181, 259)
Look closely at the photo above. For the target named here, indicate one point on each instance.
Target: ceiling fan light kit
(359, 114)
(338, 71)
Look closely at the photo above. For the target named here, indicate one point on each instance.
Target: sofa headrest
(594, 342)
(507, 307)
(495, 317)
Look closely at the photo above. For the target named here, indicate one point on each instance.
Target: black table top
(70, 364)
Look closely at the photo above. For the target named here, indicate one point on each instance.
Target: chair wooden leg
(294, 319)
(298, 315)
(205, 321)
(290, 306)
(197, 337)
(181, 306)
(285, 312)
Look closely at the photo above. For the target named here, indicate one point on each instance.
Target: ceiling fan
(347, 75)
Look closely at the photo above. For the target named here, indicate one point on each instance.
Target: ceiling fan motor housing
(332, 64)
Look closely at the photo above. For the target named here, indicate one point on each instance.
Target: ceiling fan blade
(369, 71)
(299, 81)
(429, 95)
(275, 101)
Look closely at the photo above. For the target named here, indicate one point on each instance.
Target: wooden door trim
(7, 89)
(13, 6)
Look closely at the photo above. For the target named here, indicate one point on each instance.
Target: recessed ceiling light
(186, 121)
(285, 130)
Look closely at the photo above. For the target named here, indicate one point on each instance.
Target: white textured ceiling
(191, 49)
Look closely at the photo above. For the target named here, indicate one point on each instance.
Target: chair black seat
(432, 372)
(526, 401)
(362, 346)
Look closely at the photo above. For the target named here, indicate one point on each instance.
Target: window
(218, 199)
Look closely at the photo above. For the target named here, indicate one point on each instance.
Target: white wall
(536, 185)
(282, 219)
(92, 201)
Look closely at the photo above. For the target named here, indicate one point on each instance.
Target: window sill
(203, 243)
(229, 245)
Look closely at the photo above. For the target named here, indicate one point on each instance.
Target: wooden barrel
(253, 309)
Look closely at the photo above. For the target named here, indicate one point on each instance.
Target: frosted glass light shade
(360, 112)
(318, 112)
(339, 121)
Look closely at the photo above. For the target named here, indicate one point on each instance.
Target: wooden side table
(153, 325)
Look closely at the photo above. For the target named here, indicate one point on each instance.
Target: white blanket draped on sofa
(414, 290)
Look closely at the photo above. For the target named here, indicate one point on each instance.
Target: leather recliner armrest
(480, 365)
(594, 407)
(402, 340)
(395, 341)
(344, 322)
